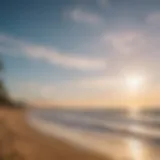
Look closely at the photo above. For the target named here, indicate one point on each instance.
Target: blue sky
(76, 52)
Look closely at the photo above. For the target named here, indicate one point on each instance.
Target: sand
(26, 142)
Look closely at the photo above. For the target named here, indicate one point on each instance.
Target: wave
(98, 130)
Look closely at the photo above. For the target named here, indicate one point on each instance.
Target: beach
(102, 131)
(30, 144)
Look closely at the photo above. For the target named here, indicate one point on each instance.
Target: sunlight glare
(136, 149)
(134, 82)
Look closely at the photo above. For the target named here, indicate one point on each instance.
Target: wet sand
(33, 145)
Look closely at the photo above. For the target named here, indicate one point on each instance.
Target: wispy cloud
(153, 19)
(101, 82)
(125, 42)
(50, 55)
(133, 49)
(135, 43)
(68, 89)
(40, 90)
(82, 16)
(103, 3)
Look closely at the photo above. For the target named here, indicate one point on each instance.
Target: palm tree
(4, 98)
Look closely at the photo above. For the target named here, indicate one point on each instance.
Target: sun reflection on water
(135, 145)
(135, 148)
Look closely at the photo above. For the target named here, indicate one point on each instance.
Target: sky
(81, 52)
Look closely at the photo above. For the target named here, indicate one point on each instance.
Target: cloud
(133, 50)
(67, 61)
(101, 82)
(81, 16)
(15, 47)
(125, 42)
(133, 43)
(153, 19)
(30, 90)
(68, 90)
(103, 3)
(48, 90)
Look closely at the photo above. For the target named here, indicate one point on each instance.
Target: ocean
(119, 133)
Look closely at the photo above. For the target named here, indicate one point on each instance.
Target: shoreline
(34, 145)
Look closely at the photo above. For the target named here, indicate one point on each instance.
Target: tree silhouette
(4, 97)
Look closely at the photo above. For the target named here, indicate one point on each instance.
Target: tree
(4, 97)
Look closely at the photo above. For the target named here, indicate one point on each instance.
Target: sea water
(116, 133)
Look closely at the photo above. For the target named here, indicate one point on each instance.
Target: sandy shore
(33, 145)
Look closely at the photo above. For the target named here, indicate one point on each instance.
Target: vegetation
(4, 97)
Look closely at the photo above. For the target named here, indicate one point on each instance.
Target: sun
(134, 82)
